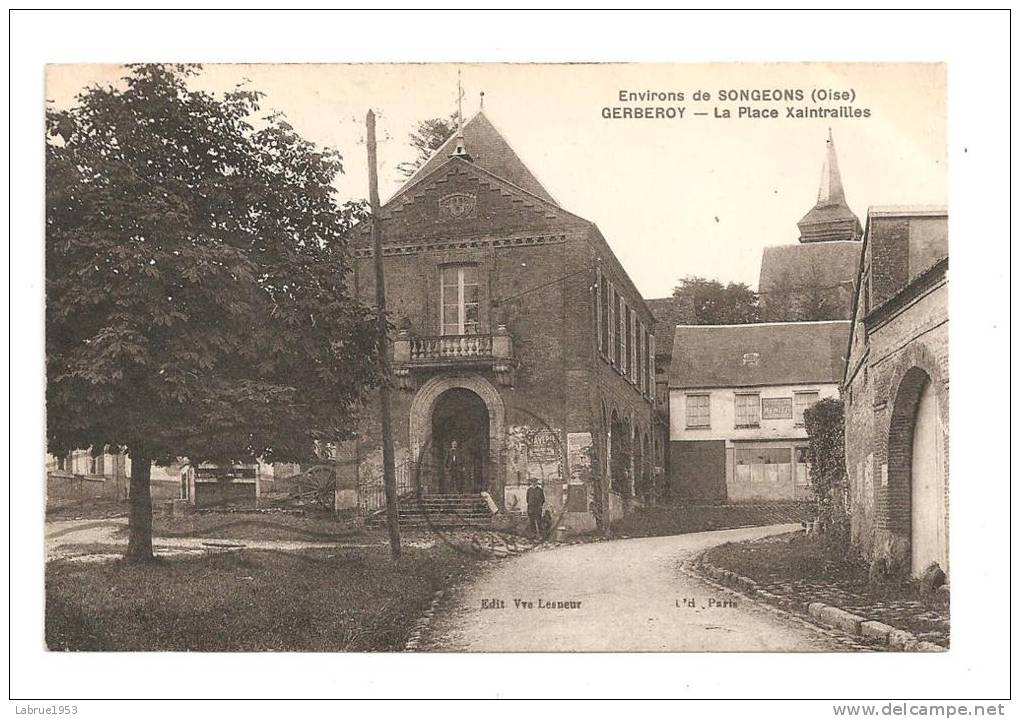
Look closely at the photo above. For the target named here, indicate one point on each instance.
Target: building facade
(522, 351)
(896, 388)
(737, 395)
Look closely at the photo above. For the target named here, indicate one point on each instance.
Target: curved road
(625, 595)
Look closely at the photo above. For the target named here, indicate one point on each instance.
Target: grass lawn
(314, 600)
(237, 525)
(89, 508)
(796, 565)
(792, 556)
(664, 521)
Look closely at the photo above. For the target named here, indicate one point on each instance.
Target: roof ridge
(766, 324)
(490, 150)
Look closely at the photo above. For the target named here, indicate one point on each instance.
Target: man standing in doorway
(536, 501)
(454, 468)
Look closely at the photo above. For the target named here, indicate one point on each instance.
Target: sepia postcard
(497, 358)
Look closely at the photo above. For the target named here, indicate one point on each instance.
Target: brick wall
(535, 265)
(896, 351)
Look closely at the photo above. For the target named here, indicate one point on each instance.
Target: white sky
(673, 197)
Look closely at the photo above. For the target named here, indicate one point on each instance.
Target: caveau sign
(777, 408)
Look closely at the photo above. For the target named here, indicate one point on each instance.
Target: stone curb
(820, 613)
(414, 641)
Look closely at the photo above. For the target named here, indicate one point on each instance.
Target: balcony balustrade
(451, 347)
(420, 352)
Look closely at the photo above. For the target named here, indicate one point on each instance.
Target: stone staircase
(438, 510)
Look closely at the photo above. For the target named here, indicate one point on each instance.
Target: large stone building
(813, 279)
(523, 350)
(737, 395)
(896, 389)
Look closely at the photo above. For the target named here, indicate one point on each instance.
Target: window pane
(471, 293)
(471, 318)
(803, 401)
(746, 409)
(470, 274)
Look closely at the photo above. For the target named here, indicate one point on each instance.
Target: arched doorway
(619, 455)
(928, 531)
(460, 442)
(424, 447)
(917, 476)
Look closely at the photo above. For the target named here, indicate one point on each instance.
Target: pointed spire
(831, 218)
(460, 150)
(830, 191)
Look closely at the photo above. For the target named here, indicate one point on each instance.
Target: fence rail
(372, 495)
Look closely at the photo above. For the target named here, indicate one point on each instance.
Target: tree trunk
(140, 516)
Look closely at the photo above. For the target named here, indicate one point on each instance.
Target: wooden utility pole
(389, 471)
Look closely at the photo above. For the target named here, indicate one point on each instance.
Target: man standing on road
(536, 501)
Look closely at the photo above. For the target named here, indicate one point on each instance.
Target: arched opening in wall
(619, 455)
(460, 442)
(916, 472)
(642, 484)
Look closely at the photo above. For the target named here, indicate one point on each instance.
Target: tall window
(459, 303)
(801, 401)
(598, 311)
(642, 362)
(632, 325)
(698, 411)
(651, 365)
(607, 341)
(612, 334)
(747, 410)
(624, 319)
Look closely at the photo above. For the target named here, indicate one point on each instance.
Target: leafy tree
(708, 302)
(807, 297)
(195, 281)
(427, 137)
(826, 445)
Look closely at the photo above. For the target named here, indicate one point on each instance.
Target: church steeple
(460, 149)
(831, 218)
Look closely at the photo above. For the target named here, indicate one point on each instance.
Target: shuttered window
(747, 410)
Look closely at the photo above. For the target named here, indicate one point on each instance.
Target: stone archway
(917, 481)
(424, 403)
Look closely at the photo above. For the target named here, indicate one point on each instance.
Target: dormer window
(459, 300)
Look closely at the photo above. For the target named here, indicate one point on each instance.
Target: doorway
(928, 532)
(460, 442)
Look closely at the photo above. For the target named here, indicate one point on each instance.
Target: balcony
(422, 352)
(451, 348)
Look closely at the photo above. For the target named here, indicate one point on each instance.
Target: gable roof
(809, 265)
(489, 150)
(706, 356)
(666, 311)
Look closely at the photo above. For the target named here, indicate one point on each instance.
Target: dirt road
(626, 595)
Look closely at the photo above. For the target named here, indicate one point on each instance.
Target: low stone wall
(61, 486)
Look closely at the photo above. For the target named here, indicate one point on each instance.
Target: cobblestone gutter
(818, 612)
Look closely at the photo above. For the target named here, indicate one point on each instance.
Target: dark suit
(536, 500)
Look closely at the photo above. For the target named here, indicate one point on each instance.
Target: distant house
(737, 395)
(79, 474)
(896, 386)
(814, 278)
